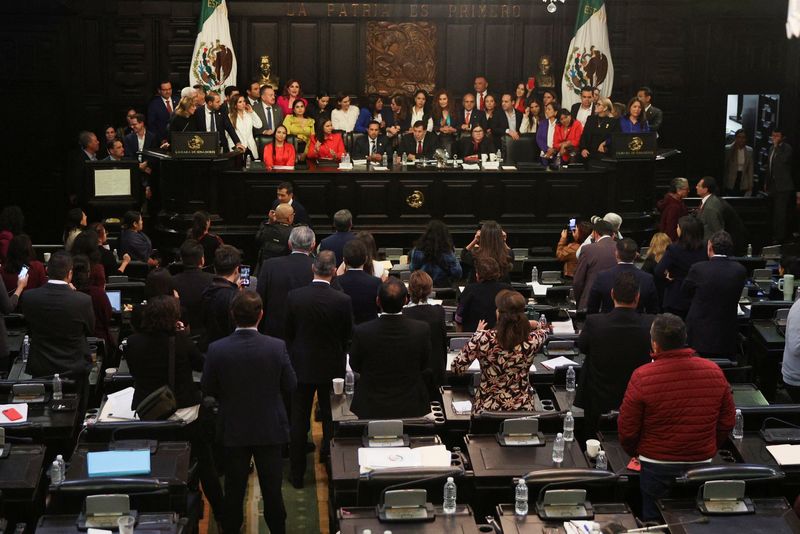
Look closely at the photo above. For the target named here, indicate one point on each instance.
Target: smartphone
(244, 275)
(12, 414)
(571, 224)
(531, 83)
(23, 272)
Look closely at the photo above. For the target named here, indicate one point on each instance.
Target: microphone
(701, 520)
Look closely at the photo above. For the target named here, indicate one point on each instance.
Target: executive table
(355, 520)
(605, 514)
(772, 516)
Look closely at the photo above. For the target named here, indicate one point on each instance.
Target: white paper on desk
(118, 407)
(22, 408)
(379, 168)
(462, 407)
(393, 457)
(345, 166)
(740, 311)
(580, 527)
(471, 167)
(434, 302)
(360, 161)
(561, 361)
(539, 290)
(563, 327)
(785, 454)
(509, 167)
(491, 165)
(98, 531)
(283, 167)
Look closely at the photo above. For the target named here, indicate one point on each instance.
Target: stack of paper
(462, 407)
(379, 168)
(491, 165)
(563, 327)
(539, 290)
(394, 457)
(471, 167)
(509, 167)
(118, 407)
(561, 361)
(345, 166)
(785, 454)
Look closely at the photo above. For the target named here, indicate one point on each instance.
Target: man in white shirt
(481, 86)
(583, 110)
(253, 93)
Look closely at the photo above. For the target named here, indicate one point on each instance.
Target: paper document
(98, 531)
(539, 290)
(563, 327)
(360, 161)
(21, 408)
(491, 165)
(561, 361)
(112, 182)
(509, 167)
(462, 407)
(379, 168)
(345, 166)
(283, 167)
(580, 527)
(785, 454)
(118, 407)
(392, 457)
(434, 302)
(471, 167)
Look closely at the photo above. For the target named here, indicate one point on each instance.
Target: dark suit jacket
(216, 309)
(277, 116)
(710, 214)
(576, 107)
(476, 117)
(361, 146)
(363, 289)
(654, 118)
(600, 292)
(7, 305)
(191, 284)
(433, 314)
(336, 242)
(223, 123)
(501, 122)
(466, 148)
(131, 143)
(780, 172)
(319, 322)
(390, 353)
(300, 213)
(277, 277)
(594, 259)
(248, 373)
(59, 320)
(677, 260)
(615, 344)
(408, 144)
(714, 287)
(158, 116)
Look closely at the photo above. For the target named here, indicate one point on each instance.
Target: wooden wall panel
(460, 52)
(342, 67)
(303, 50)
(263, 40)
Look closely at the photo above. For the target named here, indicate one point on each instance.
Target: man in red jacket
(676, 413)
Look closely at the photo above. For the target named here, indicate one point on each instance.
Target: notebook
(118, 463)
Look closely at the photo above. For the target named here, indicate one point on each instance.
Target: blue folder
(118, 463)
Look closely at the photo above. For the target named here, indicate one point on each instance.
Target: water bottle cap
(55, 375)
(559, 435)
(449, 479)
(601, 453)
(738, 411)
(59, 457)
(569, 414)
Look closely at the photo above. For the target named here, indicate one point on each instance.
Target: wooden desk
(767, 353)
(772, 516)
(354, 520)
(604, 513)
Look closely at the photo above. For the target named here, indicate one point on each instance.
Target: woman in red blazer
(567, 138)
(279, 152)
(325, 145)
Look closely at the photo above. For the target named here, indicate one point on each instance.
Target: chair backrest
(261, 142)
(521, 150)
(352, 137)
(447, 142)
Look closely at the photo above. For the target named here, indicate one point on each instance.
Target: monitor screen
(115, 298)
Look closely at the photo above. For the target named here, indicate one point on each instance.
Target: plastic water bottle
(602, 462)
(62, 464)
(384, 160)
(116, 255)
(349, 383)
(56, 474)
(346, 157)
(571, 379)
(404, 159)
(499, 155)
(26, 347)
(57, 388)
(569, 427)
(248, 162)
(449, 505)
(738, 426)
(749, 250)
(543, 321)
(558, 448)
(521, 498)
(535, 274)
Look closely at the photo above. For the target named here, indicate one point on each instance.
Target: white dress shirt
(345, 120)
(583, 114)
(418, 115)
(244, 129)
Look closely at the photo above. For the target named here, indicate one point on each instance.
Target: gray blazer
(780, 171)
(594, 258)
(710, 214)
(277, 117)
(732, 167)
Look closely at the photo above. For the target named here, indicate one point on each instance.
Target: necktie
(269, 117)
(213, 122)
(466, 120)
(419, 147)
(372, 146)
(480, 101)
(168, 103)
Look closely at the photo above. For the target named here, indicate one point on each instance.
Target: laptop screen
(115, 298)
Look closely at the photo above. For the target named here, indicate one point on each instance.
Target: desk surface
(618, 459)
(605, 515)
(354, 520)
(53, 424)
(452, 394)
(149, 523)
(344, 455)
(753, 450)
(491, 460)
(767, 333)
(170, 461)
(773, 516)
(21, 471)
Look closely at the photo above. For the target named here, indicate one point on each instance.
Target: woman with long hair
(85, 245)
(676, 262)
(489, 242)
(476, 303)
(567, 252)
(634, 120)
(658, 246)
(419, 111)
(345, 115)
(596, 137)
(82, 268)
(76, 222)
(279, 152)
(292, 92)
(400, 112)
(183, 118)
(505, 354)
(546, 134)
(375, 110)
(444, 114)
(319, 106)
(567, 137)
(21, 254)
(244, 119)
(492, 115)
(531, 117)
(325, 144)
(520, 97)
(434, 254)
(201, 232)
(299, 125)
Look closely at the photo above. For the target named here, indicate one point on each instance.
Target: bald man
(272, 237)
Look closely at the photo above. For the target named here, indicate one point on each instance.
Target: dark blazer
(390, 353)
(148, 358)
(319, 322)
(576, 107)
(300, 213)
(600, 292)
(277, 117)
(654, 118)
(137, 244)
(779, 173)
(336, 242)
(191, 284)
(466, 147)
(7, 305)
(131, 143)
(158, 116)
(501, 122)
(216, 309)
(433, 314)
(615, 344)
(361, 146)
(181, 124)
(594, 259)
(710, 214)
(477, 303)
(363, 290)
(223, 123)
(476, 117)
(714, 287)
(248, 373)
(59, 320)
(277, 277)
(677, 260)
(408, 144)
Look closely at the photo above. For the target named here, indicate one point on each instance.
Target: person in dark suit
(780, 185)
(319, 322)
(714, 286)
(654, 115)
(710, 211)
(271, 115)
(420, 286)
(615, 344)
(391, 354)
(585, 108)
(210, 119)
(676, 262)
(272, 238)
(247, 373)
(8, 303)
(59, 319)
(600, 300)
(286, 196)
(602, 256)
(140, 139)
(343, 223)
(280, 275)
(89, 146)
(217, 297)
(478, 143)
(469, 116)
(360, 285)
(373, 145)
(420, 143)
(160, 109)
(191, 283)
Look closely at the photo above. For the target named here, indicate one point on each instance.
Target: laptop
(115, 298)
(634, 145)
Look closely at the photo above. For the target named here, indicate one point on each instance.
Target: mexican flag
(589, 54)
(213, 61)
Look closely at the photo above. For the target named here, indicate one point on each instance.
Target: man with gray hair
(343, 223)
(76, 184)
(319, 321)
(280, 275)
(611, 218)
(672, 207)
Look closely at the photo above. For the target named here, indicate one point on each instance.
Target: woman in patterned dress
(505, 355)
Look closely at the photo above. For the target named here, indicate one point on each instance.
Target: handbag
(161, 403)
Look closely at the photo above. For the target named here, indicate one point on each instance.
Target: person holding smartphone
(566, 251)
(244, 119)
(21, 262)
(7, 305)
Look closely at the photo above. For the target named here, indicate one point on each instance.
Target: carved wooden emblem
(401, 57)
